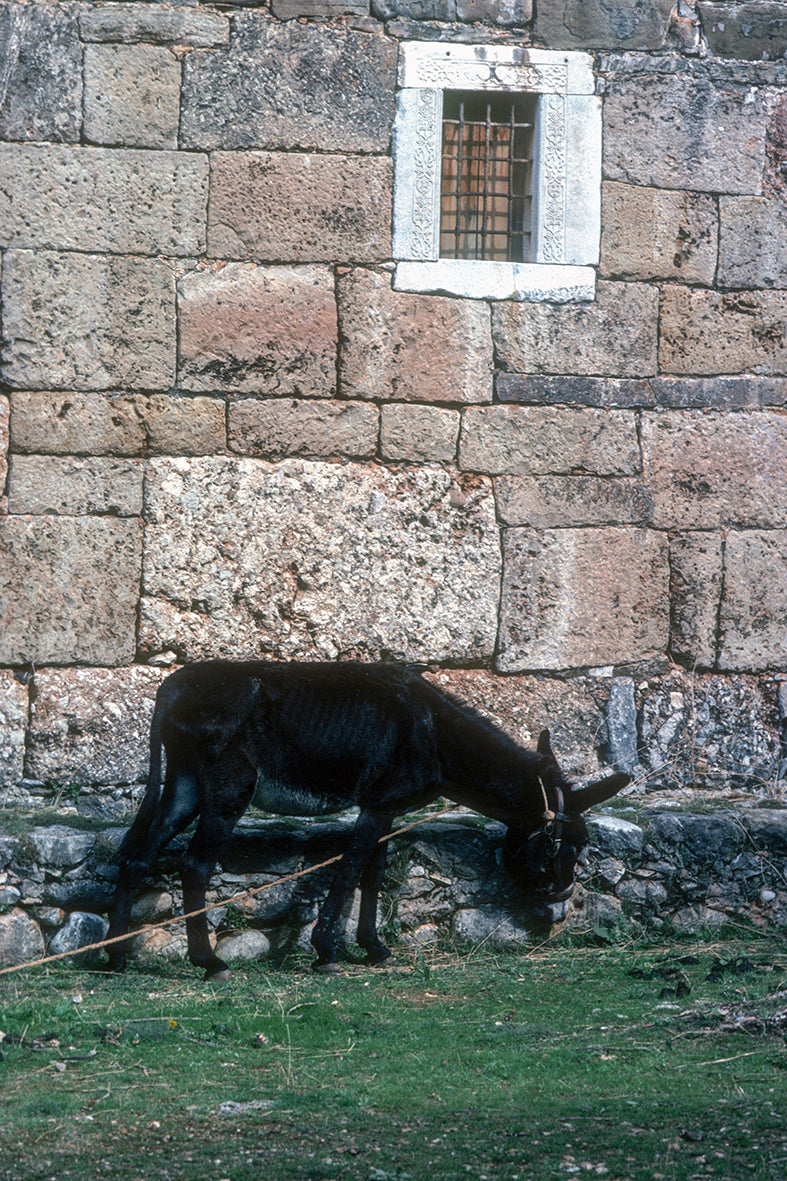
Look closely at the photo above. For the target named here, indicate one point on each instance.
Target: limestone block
(293, 207)
(720, 393)
(287, 426)
(418, 434)
(396, 345)
(160, 23)
(117, 424)
(4, 438)
(101, 199)
(536, 440)
(13, 724)
(684, 131)
(75, 487)
(298, 559)
(90, 725)
(41, 68)
(68, 589)
(251, 329)
(285, 10)
(81, 930)
(132, 95)
(20, 939)
(61, 847)
(290, 85)
(648, 233)
(494, 12)
(87, 321)
(754, 603)
(711, 469)
(754, 31)
(433, 10)
(695, 589)
(753, 242)
(588, 24)
(564, 500)
(582, 597)
(707, 332)
(615, 336)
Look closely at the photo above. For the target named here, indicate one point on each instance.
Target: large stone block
(708, 470)
(753, 242)
(290, 85)
(753, 620)
(292, 207)
(560, 501)
(396, 345)
(583, 597)
(41, 68)
(162, 23)
(287, 426)
(75, 487)
(755, 30)
(13, 726)
(590, 24)
(684, 131)
(90, 726)
(101, 199)
(695, 589)
(86, 321)
(250, 329)
(614, 336)
(537, 440)
(300, 559)
(117, 424)
(132, 95)
(68, 589)
(652, 234)
(706, 332)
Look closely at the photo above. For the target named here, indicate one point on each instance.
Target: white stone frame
(567, 176)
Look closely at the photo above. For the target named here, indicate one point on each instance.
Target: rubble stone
(20, 939)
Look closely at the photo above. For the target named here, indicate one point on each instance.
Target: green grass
(620, 1062)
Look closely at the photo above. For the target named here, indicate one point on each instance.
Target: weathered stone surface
(497, 12)
(684, 131)
(710, 469)
(117, 424)
(416, 10)
(396, 345)
(418, 434)
(101, 199)
(309, 86)
(754, 603)
(558, 501)
(300, 559)
(648, 233)
(589, 24)
(286, 426)
(582, 597)
(4, 440)
(615, 837)
(20, 939)
(75, 487)
(90, 726)
(250, 329)
(574, 391)
(695, 588)
(87, 321)
(244, 945)
(756, 30)
(705, 332)
(285, 10)
(292, 207)
(13, 727)
(162, 23)
(722, 393)
(699, 841)
(68, 589)
(621, 719)
(132, 95)
(41, 67)
(753, 241)
(535, 440)
(615, 336)
(81, 930)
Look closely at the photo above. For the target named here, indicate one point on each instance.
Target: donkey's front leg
(369, 827)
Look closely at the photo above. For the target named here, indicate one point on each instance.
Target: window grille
(486, 190)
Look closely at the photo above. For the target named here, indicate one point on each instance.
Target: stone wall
(222, 432)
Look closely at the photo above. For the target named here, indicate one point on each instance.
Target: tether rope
(179, 918)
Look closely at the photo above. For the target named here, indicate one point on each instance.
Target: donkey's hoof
(377, 955)
(116, 963)
(220, 976)
(326, 969)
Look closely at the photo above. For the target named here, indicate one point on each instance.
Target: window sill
(527, 282)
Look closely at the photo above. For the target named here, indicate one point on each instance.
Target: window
(497, 172)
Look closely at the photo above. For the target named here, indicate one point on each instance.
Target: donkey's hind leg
(371, 884)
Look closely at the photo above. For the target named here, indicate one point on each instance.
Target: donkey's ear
(582, 798)
(544, 746)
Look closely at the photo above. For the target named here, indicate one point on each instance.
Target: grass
(643, 1063)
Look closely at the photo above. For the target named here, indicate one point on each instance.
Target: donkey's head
(542, 855)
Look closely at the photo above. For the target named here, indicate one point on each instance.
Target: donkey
(308, 739)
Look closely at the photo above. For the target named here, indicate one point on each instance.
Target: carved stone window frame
(567, 188)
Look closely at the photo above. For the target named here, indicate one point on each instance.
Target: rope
(301, 873)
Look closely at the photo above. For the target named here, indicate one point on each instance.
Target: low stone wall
(670, 871)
